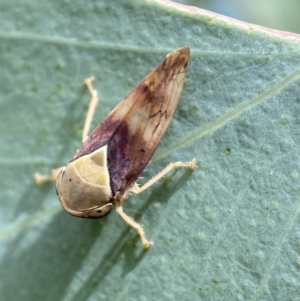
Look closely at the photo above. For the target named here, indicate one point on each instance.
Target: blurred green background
(277, 14)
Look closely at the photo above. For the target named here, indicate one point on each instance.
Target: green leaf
(230, 230)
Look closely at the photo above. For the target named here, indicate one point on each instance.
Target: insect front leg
(131, 222)
(191, 164)
(40, 179)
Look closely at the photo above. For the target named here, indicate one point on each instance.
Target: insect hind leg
(92, 107)
(39, 178)
(191, 164)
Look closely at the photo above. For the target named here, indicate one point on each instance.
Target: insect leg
(131, 222)
(92, 107)
(192, 164)
(40, 179)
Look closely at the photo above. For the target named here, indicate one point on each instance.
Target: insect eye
(100, 211)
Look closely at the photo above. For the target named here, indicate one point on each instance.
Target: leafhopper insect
(105, 169)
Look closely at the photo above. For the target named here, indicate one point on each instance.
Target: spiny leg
(92, 107)
(39, 178)
(192, 164)
(131, 222)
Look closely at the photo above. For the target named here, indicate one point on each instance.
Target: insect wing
(133, 130)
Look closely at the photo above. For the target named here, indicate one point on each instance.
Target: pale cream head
(83, 187)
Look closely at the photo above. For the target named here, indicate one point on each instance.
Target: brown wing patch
(135, 127)
(154, 102)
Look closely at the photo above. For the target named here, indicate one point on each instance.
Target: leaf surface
(227, 231)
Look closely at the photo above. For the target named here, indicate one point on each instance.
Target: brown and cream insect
(107, 166)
